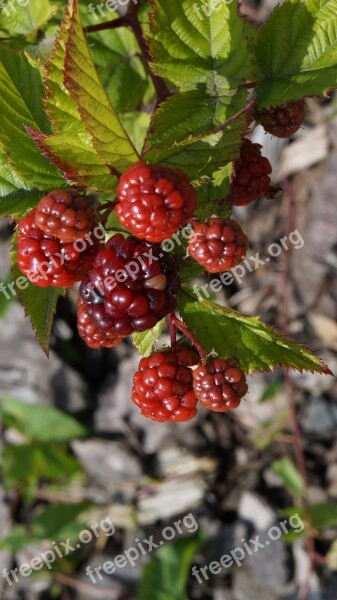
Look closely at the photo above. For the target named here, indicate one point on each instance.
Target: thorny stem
(173, 331)
(290, 387)
(130, 19)
(185, 330)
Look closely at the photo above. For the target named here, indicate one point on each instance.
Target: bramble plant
(78, 153)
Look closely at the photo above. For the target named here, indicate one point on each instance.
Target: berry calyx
(89, 332)
(283, 121)
(154, 201)
(47, 261)
(250, 174)
(218, 244)
(131, 286)
(162, 386)
(219, 384)
(64, 214)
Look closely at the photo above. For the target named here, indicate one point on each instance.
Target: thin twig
(86, 587)
(114, 24)
(290, 387)
(185, 330)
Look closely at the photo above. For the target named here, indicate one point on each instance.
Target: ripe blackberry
(218, 245)
(251, 174)
(64, 214)
(47, 261)
(162, 386)
(219, 384)
(154, 201)
(282, 121)
(89, 332)
(131, 286)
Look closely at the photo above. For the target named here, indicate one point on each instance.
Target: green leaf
(136, 125)
(270, 391)
(20, 108)
(165, 576)
(5, 302)
(51, 522)
(72, 146)
(297, 51)
(181, 132)
(9, 180)
(323, 515)
(147, 342)
(39, 303)
(211, 196)
(289, 474)
(231, 333)
(18, 202)
(84, 86)
(40, 423)
(25, 465)
(26, 20)
(190, 48)
(119, 65)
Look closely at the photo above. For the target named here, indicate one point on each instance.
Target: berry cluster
(250, 174)
(49, 261)
(154, 201)
(218, 245)
(163, 386)
(219, 384)
(282, 121)
(131, 286)
(65, 215)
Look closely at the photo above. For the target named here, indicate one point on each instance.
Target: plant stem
(173, 331)
(185, 330)
(119, 22)
(290, 218)
(130, 19)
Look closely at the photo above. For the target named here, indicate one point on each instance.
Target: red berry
(251, 174)
(219, 384)
(47, 261)
(218, 245)
(154, 201)
(131, 286)
(283, 121)
(64, 214)
(89, 332)
(162, 386)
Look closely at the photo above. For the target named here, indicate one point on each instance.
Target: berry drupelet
(218, 244)
(162, 386)
(219, 384)
(154, 201)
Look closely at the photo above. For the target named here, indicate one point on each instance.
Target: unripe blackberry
(218, 244)
(131, 286)
(162, 386)
(219, 384)
(89, 332)
(250, 174)
(47, 261)
(64, 214)
(282, 121)
(154, 201)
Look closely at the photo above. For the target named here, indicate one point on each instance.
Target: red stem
(173, 331)
(185, 330)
